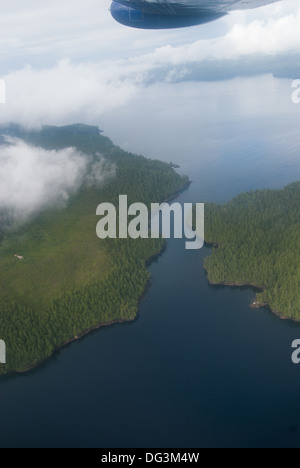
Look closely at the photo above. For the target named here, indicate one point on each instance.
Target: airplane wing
(164, 14)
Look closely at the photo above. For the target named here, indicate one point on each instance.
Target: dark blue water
(198, 368)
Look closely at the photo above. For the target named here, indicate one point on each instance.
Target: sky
(65, 60)
(69, 61)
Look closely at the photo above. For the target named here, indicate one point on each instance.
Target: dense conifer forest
(70, 281)
(256, 240)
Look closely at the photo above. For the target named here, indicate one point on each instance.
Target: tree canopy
(256, 240)
(70, 281)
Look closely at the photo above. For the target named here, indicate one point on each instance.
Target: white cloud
(52, 96)
(265, 37)
(33, 178)
(108, 64)
(273, 34)
(42, 33)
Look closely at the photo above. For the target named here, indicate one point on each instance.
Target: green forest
(255, 241)
(70, 281)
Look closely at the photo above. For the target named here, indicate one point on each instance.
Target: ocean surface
(198, 368)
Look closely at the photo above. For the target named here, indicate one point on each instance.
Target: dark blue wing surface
(165, 14)
(139, 18)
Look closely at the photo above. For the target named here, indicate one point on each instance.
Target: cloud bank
(51, 96)
(33, 179)
(71, 91)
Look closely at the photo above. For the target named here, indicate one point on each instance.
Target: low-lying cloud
(72, 91)
(33, 179)
(65, 93)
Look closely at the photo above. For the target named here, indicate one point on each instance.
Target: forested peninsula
(255, 240)
(64, 281)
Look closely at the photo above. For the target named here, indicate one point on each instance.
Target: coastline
(254, 304)
(175, 194)
(58, 348)
(148, 284)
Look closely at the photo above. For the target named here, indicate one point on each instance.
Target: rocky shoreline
(254, 304)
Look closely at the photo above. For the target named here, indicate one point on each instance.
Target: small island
(255, 242)
(59, 281)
